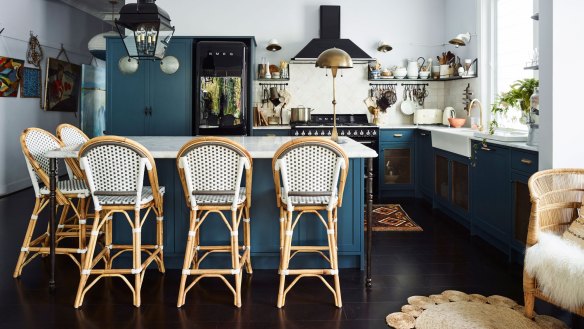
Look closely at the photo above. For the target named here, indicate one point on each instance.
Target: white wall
(561, 115)
(54, 23)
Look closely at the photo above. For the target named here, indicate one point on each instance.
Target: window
(513, 43)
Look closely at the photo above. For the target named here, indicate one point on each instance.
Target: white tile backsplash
(310, 86)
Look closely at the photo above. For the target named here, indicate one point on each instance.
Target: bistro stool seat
(211, 172)
(35, 143)
(115, 169)
(309, 177)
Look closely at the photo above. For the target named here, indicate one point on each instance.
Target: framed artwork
(62, 86)
(30, 82)
(9, 76)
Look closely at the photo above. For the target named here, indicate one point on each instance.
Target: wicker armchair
(309, 177)
(211, 171)
(35, 143)
(115, 168)
(556, 196)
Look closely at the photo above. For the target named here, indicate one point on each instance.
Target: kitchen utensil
(412, 69)
(448, 113)
(408, 107)
(274, 96)
(273, 120)
(300, 114)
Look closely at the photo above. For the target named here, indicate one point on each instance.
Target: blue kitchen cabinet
(452, 185)
(424, 164)
(490, 192)
(396, 176)
(149, 102)
(523, 165)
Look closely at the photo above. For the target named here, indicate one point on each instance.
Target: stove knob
(368, 133)
(322, 132)
(348, 133)
(303, 133)
(328, 133)
(309, 133)
(342, 133)
(374, 133)
(296, 133)
(355, 133)
(361, 133)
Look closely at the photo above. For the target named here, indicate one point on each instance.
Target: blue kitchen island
(265, 243)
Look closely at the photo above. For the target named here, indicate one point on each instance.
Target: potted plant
(517, 97)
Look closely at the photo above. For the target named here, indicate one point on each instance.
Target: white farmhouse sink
(455, 140)
(504, 135)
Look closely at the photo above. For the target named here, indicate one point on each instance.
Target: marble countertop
(260, 147)
(272, 127)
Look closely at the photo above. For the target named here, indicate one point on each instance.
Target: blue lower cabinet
(396, 177)
(424, 165)
(452, 185)
(491, 216)
(264, 214)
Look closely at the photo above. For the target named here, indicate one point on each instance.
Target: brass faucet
(480, 126)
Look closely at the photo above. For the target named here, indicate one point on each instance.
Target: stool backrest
(310, 166)
(214, 165)
(35, 142)
(115, 165)
(72, 136)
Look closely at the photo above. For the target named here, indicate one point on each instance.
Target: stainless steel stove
(355, 126)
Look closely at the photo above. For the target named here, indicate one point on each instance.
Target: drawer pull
(484, 148)
(423, 134)
(397, 135)
(526, 161)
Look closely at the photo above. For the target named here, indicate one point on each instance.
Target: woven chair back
(114, 165)
(72, 136)
(35, 142)
(214, 165)
(558, 194)
(311, 167)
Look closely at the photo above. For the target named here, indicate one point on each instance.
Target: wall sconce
(461, 39)
(273, 45)
(383, 47)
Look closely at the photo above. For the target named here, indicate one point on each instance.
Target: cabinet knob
(526, 161)
(397, 135)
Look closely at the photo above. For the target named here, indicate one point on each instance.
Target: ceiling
(101, 9)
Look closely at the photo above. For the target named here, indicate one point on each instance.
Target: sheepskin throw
(575, 232)
(558, 266)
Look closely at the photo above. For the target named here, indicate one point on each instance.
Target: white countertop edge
(517, 145)
(259, 147)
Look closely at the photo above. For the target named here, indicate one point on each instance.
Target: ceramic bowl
(456, 122)
(424, 74)
(400, 72)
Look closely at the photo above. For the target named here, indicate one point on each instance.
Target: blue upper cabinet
(149, 101)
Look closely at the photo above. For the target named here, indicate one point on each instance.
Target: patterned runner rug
(391, 217)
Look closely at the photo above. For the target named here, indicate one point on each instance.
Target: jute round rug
(458, 310)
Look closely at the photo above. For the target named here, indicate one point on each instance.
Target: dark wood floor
(441, 257)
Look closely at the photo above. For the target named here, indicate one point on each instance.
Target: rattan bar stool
(35, 143)
(309, 177)
(114, 168)
(211, 171)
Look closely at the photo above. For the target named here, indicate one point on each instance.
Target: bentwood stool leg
(190, 248)
(86, 268)
(332, 234)
(28, 236)
(235, 257)
(285, 259)
(247, 239)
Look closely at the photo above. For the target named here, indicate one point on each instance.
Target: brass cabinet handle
(526, 161)
(397, 135)
(484, 148)
(423, 134)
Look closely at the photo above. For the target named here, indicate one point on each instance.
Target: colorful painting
(9, 76)
(30, 82)
(92, 113)
(62, 86)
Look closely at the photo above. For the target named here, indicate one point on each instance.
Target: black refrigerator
(222, 81)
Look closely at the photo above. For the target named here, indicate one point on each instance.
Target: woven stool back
(35, 142)
(116, 166)
(72, 136)
(213, 165)
(310, 166)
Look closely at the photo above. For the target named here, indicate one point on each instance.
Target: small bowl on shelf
(456, 122)
(424, 74)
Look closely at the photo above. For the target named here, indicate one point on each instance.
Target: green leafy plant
(517, 97)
